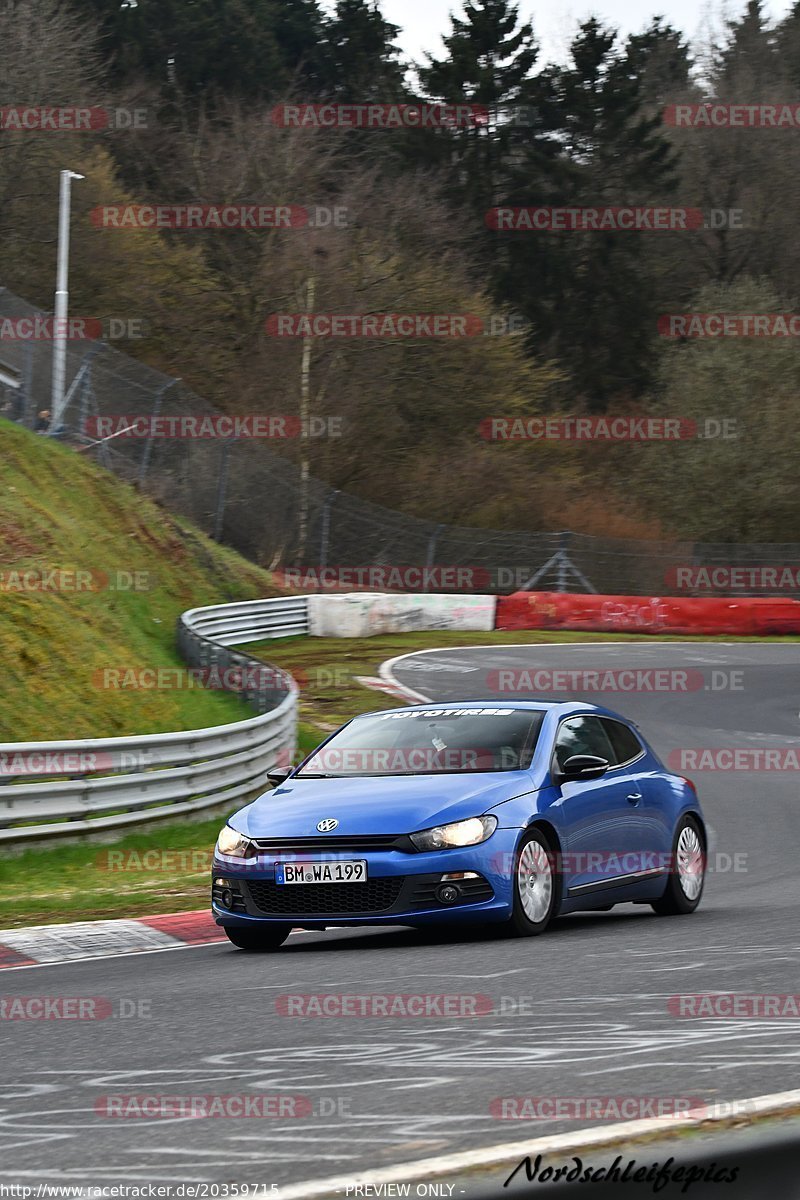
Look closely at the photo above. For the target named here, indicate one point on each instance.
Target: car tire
(684, 888)
(258, 941)
(536, 885)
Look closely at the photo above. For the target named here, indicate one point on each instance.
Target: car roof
(562, 707)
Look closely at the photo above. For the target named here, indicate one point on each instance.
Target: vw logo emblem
(327, 825)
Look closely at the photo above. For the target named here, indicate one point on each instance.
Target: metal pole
(434, 538)
(222, 490)
(148, 446)
(305, 409)
(326, 528)
(61, 307)
(28, 418)
(563, 562)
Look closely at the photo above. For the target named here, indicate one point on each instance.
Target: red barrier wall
(648, 614)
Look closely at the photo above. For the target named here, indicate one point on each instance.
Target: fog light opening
(226, 899)
(448, 893)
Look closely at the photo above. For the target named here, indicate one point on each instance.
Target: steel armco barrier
(80, 787)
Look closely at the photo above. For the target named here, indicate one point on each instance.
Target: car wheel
(687, 871)
(536, 885)
(258, 940)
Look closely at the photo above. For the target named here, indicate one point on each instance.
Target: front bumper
(401, 889)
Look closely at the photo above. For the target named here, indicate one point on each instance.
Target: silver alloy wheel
(535, 882)
(690, 862)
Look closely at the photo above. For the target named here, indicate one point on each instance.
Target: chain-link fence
(243, 493)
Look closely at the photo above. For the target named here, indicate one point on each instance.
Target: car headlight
(234, 845)
(460, 833)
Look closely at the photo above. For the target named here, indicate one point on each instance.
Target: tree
(589, 295)
(363, 62)
(211, 48)
(748, 59)
(729, 488)
(490, 57)
(661, 63)
(787, 44)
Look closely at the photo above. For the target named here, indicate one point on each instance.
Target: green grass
(59, 511)
(83, 882)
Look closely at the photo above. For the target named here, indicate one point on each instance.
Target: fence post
(434, 538)
(222, 489)
(144, 466)
(326, 527)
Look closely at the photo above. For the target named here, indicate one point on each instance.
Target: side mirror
(584, 766)
(279, 775)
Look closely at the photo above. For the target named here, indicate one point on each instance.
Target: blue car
(511, 812)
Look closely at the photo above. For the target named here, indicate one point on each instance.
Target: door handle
(635, 797)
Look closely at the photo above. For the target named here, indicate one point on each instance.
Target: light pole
(62, 300)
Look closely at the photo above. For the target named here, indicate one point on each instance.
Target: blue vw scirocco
(511, 812)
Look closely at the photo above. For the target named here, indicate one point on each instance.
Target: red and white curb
(40, 944)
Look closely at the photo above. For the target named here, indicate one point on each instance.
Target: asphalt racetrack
(581, 1012)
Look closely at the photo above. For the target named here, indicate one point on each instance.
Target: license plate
(322, 872)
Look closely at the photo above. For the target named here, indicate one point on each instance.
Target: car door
(653, 829)
(599, 820)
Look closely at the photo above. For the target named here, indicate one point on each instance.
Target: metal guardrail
(89, 786)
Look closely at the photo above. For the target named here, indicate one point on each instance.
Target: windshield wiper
(321, 775)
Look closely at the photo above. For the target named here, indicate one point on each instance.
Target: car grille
(328, 899)
(357, 844)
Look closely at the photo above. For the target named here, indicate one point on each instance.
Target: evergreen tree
(490, 57)
(213, 48)
(589, 295)
(363, 62)
(660, 60)
(787, 44)
(748, 62)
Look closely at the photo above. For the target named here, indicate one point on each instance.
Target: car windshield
(429, 742)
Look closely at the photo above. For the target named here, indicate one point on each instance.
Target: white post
(61, 307)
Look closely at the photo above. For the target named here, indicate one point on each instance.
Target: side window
(625, 742)
(583, 735)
